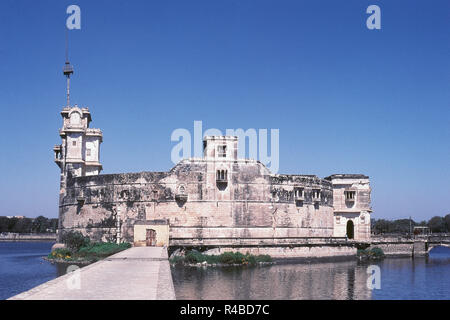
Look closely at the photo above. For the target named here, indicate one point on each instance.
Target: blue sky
(345, 99)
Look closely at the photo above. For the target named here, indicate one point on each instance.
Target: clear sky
(346, 99)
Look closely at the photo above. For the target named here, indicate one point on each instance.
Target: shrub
(372, 253)
(362, 252)
(74, 240)
(249, 259)
(263, 258)
(227, 258)
(102, 249)
(376, 252)
(194, 256)
(61, 253)
(177, 260)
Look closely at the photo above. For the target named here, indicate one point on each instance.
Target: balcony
(350, 196)
(222, 176)
(299, 196)
(181, 197)
(315, 195)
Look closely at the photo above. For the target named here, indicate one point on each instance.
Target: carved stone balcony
(350, 196)
(181, 197)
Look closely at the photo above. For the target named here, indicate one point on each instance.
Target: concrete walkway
(139, 273)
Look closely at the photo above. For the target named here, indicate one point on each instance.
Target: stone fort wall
(250, 204)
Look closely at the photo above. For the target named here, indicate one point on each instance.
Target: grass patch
(90, 252)
(374, 253)
(226, 258)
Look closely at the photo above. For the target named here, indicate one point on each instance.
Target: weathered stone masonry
(217, 200)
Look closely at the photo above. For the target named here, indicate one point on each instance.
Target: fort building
(217, 200)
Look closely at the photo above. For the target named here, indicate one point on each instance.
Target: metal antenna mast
(68, 68)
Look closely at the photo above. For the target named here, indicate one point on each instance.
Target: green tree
(447, 222)
(11, 224)
(53, 224)
(437, 224)
(4, 224)
(381, 226)
(40, 224)
(23, 225)
(401, 225)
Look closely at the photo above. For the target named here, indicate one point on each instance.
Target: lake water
(22, 268)
(400, 278)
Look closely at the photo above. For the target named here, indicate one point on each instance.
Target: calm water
(22, 268)
(401, 278)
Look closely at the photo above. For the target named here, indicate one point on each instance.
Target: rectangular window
(316, 193)
(74, 143)
(222, 151)
(298, 193)
(88, 152)
(350, 195)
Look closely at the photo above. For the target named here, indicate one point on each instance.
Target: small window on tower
(74, 143)
(350, 195)
(222, 151)
(88, 152)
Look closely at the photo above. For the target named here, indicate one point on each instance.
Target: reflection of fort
(337, 281)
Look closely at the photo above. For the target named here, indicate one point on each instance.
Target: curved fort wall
(248, 205)
(219, 201)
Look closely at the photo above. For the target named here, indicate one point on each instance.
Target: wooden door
(150, 238)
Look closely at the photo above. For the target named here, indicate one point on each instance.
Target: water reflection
(401, 278)
(340, 281)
